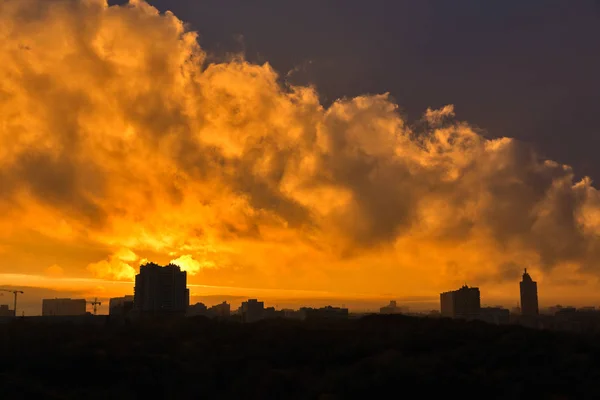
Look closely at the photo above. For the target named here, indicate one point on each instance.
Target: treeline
(383, 356)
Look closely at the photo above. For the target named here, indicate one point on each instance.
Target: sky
(317, 152)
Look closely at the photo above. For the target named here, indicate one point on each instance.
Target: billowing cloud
(117, 267)
(115, 129)
(126, 255)
(192, 266)
(112, 269)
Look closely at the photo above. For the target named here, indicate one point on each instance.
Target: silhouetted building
(5, 311)
(495, 315)
(582, 320)
(553, 310)
(566, 311)
(161, 290)
(327, 312)
(529, 297)
(63, 307)
(292, 314)
(252, 310)
(392, 308)
(271, 312)
(462, 303)
(222, 310)
(196, 310)
(120, 306)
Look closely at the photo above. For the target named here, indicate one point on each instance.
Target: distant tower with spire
(529, 296)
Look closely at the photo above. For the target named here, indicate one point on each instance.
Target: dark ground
(374, 357)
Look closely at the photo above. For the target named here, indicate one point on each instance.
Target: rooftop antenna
(95, 305)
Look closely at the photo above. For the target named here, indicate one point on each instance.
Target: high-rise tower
(462, 303)
(529, 297)
(161, 290)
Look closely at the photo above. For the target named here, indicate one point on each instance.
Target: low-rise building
(271, 312)
(6, 312)
(495, 315)
(222, 310)
(120, 306)
(197, 310)
(292, 314)
(327, 312)
(63, 307)
(393, 308)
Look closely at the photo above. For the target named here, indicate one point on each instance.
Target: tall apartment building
(63, 307)
(161, 290)
(252, 310)
(529, 296)
(462, 303)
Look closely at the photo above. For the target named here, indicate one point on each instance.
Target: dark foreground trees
(374, 357)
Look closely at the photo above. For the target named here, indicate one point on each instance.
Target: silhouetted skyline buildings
(161, 290)
(327, 312)
(63, 307)
(252, 310)
(222, 310)
(393, 308)
(529, 296)
(465, 303)
(462, 303)
(120, 306)
(5, 311)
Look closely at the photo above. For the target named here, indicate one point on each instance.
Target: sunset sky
(325, 152)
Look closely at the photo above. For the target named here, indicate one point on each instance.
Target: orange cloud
(116, 267)
(54, 270)
(115, 131)
(192, 266)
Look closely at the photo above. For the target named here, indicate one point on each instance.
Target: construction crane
(95, 304)
(15, 293)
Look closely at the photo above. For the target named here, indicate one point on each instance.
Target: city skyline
(458, 303)
(141, 142)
